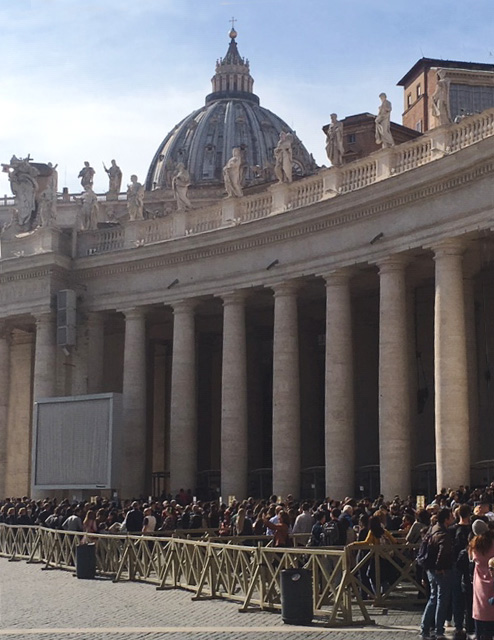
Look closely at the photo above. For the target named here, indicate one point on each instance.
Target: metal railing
(248, 574)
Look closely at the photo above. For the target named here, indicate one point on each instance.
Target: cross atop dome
(233, 33)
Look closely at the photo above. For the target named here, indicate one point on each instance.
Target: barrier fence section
(238, 569)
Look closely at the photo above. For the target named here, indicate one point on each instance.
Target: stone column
(79, 363)
(339, 401)
(95, 351)
(4, 403)
(394, 382)
(133, 460)
(450, 368)
(472, 371)
(286, 393)
(20, 417)
(183, 408)
(45, 365)
(234, 441)
(45, 357)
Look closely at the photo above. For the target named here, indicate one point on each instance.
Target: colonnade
(452, 408)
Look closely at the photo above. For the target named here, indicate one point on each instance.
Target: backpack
(427, 554)
(330, 536)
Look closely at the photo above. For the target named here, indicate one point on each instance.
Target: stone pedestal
(450, 368)
(286, 392)
(281, 197)
(332, 182)
(183, 410)
(133, 461)
(394, 382)
(385, 162)
(230, 210)
(234, 442)
(339, 402)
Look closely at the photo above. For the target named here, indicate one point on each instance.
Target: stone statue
(440, 100)
(47, 205)
(232, 174)
(89, 211)
(115, 176)
(22, 177)
(10, 229)
(180, 185)
(334, 141)
(283, 157)
(86, 174)
(383, 123)
(135, 199)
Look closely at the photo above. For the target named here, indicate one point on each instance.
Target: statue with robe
(383, 123)
(180, 185)
(283, 157)
(232, 174)
(89, 211)
(47, 204)
(135, 199)
(23, 183)
(334, 141)
(115, 178)
(86, 174)
(440, 100)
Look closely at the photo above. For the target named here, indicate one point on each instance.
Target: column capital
(234, 297)
(18, 336)
(97, 317)
(43, 318)
(184, 306)
(449, 247)
(5, 329)
(338, 277)
(395, 262)
(133, 313)
(286, 288)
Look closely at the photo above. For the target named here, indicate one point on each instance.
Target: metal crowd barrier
(248, 574)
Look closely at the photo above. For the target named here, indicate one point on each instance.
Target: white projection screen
(76, 442)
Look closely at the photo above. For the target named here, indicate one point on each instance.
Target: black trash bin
(296, 596)
(85, 561)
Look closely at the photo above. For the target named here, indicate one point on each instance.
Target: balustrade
(307, 191)
(254, 207)
(358, 174)
(351, 177)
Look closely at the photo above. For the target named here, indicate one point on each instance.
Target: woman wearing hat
(481, 549)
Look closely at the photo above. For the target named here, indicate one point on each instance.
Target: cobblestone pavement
(55, 605)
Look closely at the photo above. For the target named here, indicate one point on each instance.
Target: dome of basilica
(232, 117)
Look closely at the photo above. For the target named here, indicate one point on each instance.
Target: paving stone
(53, 604)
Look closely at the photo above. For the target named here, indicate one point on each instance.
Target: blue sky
(101, 79)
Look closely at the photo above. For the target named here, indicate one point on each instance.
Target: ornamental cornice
(42, 272)
(296, 228)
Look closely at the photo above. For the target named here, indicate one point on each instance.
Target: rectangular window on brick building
(419, 91)
(418, 126)
(409, 100)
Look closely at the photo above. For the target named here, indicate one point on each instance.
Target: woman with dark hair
(378, 535)
(281, 529)
(480, 550)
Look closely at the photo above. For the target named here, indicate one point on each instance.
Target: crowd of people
(454, 534)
